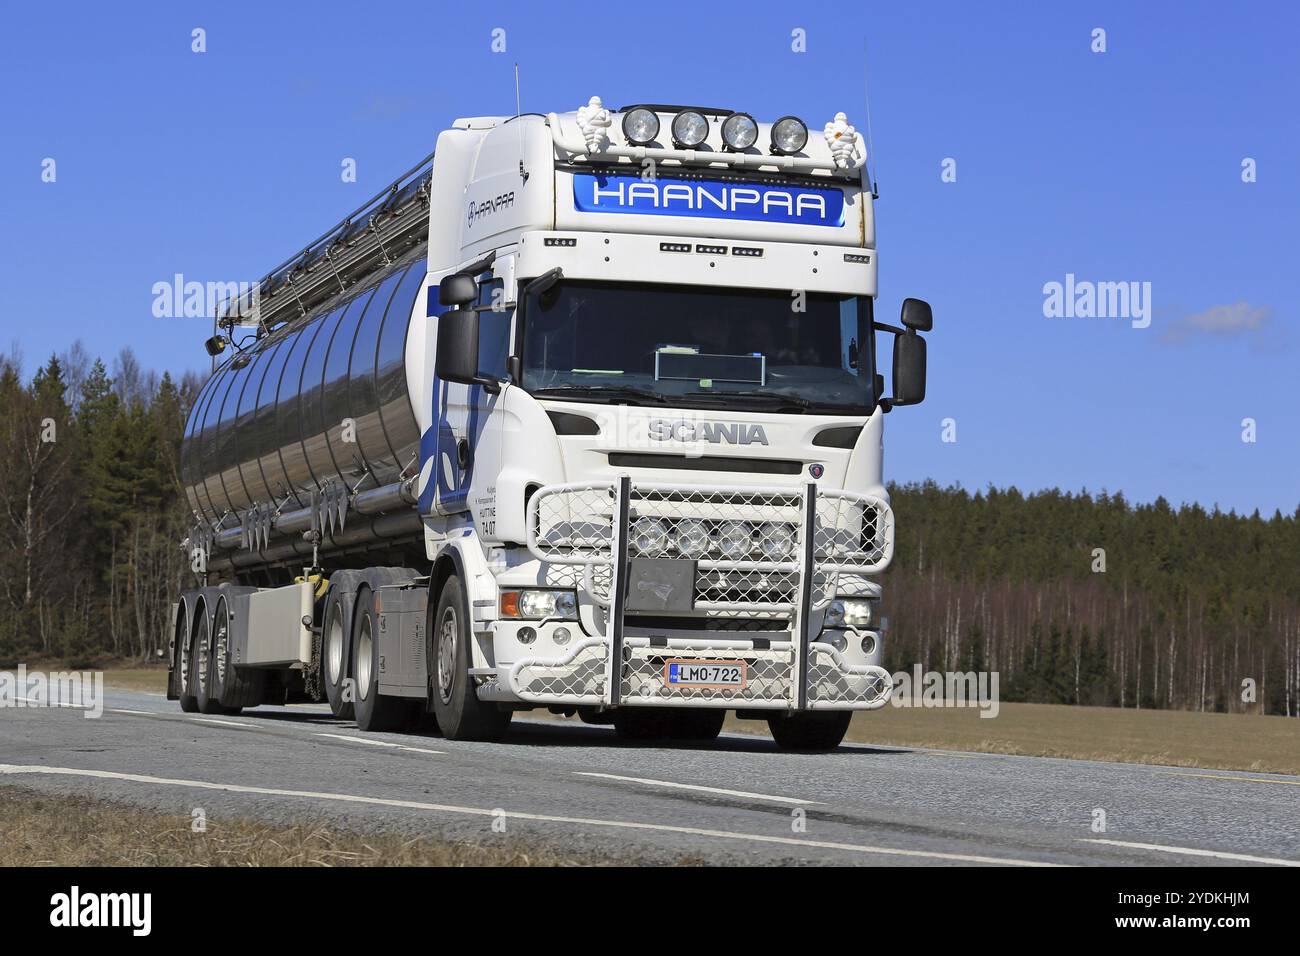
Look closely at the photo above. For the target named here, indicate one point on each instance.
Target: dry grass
(42, 830)
(151, 679)
(1177, 738)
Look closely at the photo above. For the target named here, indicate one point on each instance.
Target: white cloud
(1238, 320)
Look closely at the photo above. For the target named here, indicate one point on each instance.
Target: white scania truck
(582, 413)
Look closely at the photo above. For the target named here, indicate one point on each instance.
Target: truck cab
(651, 442)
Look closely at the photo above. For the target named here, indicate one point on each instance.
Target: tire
(233, 687)
(597, 718)
(643, 723)
(374, 712)
(813, 730)
(461, 715)
(335, 663)
(695, 725)
(201, 666)
(182, 665)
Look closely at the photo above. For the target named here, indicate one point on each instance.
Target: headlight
(735, 538)
(537, 603)
(690, 129)
(776, 540)
(640, 126)
(789, 135)
(739, 131)
(849, 612)
(692, 538)
(649, 534)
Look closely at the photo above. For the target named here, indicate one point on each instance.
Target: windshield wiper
(771, 400)
(626, 392)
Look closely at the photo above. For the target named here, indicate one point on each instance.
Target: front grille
(747, 543)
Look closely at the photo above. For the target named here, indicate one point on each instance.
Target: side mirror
(461, 289)
(917, 315)
(909, 366)
(457, 356)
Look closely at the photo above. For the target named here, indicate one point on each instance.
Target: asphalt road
(581, 791)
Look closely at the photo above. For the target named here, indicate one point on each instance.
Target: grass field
(1178, 738)
(42, 830)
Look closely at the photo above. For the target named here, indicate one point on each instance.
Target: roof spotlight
(690, 129)
(739, 131)
(640, 126)
(789, 135)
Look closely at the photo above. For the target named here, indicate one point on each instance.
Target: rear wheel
(201, 666)
(813, 730)
(233, 687)
(461, 715)
(334, 659)
(181, 666)
(374, 711)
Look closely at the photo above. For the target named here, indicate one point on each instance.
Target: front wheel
(461, 715)
(813, 730)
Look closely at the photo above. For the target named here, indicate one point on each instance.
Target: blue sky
(1115, 166)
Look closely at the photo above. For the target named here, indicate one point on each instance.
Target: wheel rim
(201, 675)
(447, 655)
(334, 652)
(220, 643)
(183, 658)
(365, 648)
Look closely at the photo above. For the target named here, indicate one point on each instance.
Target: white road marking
(1224, 776)
(379, 743)
(53, 703)
(1188, 851)
(691, 786)
(16, 769)
(138, 713)
(220, 723)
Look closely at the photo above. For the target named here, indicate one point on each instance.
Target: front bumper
(584, 527)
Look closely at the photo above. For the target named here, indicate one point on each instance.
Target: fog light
(789, 135)
(869, 644)
(739, 131)
(649, 535)
(735, 538)
(692, 538)
(837, 640)
(527, 635)
(640, 126)
(776, 540)
(561, 636)
(690, 129)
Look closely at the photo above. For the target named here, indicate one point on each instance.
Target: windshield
(735, 348)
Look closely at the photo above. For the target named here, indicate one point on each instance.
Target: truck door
(468, 428)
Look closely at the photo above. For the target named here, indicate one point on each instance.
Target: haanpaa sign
(708, 199)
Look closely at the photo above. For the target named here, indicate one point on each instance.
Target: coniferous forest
(1072, 598)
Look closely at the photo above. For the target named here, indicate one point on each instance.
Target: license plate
(694, 673)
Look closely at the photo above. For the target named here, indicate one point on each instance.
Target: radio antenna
(523, 173)
(872, 166)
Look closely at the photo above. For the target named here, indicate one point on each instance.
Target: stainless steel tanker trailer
(582, 414)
